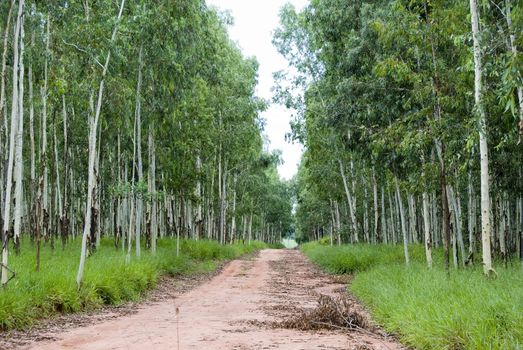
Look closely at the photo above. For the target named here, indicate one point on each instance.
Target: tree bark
(403, 224)
(483, 146)
(338, 223)
(426, 229)
(152, 190)
(92, 156)
(138, 116)
(383, 218)
(352, 209)
(376, 208)
(12, 139)
(19, 162)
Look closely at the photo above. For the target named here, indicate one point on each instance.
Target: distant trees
(142, 123)
(392, 113)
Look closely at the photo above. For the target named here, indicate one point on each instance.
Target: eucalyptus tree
(391, 91)
(13, 136)
(93, 131)
(483, 146)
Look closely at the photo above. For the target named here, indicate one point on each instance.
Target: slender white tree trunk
(471, 215)
(392, 221)
(152, 190)
(12, 139)
(333, 224)
(376, 208)
(383, 218)
(352, 209)
(223, 205)
(366, 215)
(43, 188)
(92, 155)
(338, 222)
(483, 146)
(57, 163)
(403, 223)
(233, 214)
(199, 198)
(138, 116)
(456, 209)
(354, 204)
(411, 201)
(250, 228)
(426, 227)
(33, 198)
(503, 227)
(19, 162)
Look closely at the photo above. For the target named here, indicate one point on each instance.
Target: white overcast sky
(254, 24)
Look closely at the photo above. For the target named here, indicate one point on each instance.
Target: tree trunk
(352, 208)
(12, 139)
(338, 223)
(92, 156)
(250, 228)
(471, 218)
(376, 208)
(333, 224)
(64, 218)
(426, 227)
(411, 201)
(456, 208)
(19, 162)
(393, 229)
(223, 204)
(383, 218)
(138, 116)
(152, 190)
(233, 214)
(33, 186)
(403, 224)
(483, 146)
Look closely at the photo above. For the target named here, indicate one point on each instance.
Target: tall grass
(348, 259)
(430, 309)
(108, 278)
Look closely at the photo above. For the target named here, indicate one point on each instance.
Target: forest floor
(274, 300)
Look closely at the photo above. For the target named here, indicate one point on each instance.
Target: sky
(254, 24)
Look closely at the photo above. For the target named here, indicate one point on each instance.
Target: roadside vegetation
(109, 279)
(430, 308)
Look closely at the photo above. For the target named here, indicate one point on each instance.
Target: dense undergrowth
(430, 309)
(108, 278)
(348, 259)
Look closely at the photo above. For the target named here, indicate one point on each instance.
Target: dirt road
(251, 304)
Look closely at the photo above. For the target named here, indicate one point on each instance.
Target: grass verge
(429, 309)
(108, 278)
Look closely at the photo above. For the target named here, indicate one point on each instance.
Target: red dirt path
(234, 310)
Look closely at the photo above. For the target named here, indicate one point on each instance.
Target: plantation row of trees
(411, 112)
(134, 120)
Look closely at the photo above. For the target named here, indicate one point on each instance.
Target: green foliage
(430, 310)
(349, 259)
(108, 279)
(276, 246)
